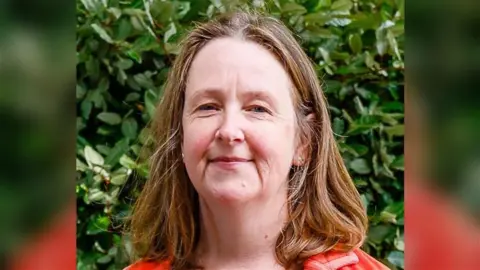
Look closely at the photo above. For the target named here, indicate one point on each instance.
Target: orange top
(332, 260)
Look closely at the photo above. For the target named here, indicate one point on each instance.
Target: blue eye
(258, 109)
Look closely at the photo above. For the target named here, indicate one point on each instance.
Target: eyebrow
(208, 92)
(247, 95)
(259, 95)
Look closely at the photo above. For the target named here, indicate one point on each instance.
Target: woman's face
(238, 122)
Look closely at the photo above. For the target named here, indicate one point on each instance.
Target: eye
(258, 109)
(207, 107)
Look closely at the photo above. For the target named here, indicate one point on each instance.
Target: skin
(238, 104)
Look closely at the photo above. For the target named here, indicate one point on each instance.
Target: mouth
(228, 159)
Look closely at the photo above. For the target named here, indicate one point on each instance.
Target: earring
(183, 156)
(300, 159)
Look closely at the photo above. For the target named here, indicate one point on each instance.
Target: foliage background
(125, 50)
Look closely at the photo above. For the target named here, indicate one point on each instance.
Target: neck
(241, 235)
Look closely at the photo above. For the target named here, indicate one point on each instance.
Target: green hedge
(125, 50)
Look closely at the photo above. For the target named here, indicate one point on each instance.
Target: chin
(231, 194)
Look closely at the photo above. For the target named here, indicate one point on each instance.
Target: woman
(246, 173)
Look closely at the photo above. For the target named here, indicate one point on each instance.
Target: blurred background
(443, 128)
(125, 50)
(37, 78)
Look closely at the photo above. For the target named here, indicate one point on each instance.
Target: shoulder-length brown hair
(325, 210)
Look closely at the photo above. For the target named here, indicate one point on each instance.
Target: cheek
(274, 145)
(196, 140)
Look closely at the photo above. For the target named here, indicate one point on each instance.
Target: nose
(229, 131)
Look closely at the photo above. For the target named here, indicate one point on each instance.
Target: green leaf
(360, 166)
(115, 12)
(398, 130)
(98, 225)
(400, 243)
(136, 23)
(110, 118)
(323, 4)
(398, 163)
(145, 135)
(80, 92)
(150, 101)
(352, 69)
(316, 34)
(183, 9)
(119, 179)
(96, 97)
(359, 106)
(364, 200)
(171, 31)
(144, 80)
(95, 195)
(388, 217)
(102, 33)
(124, 29)
(401, 7)
(93, 67)
(121, 77)
(114, 193)
(86, 108)
(359, 182)
(129, 128)
(103, 149)
(365, 21)
(132, 97)
(338, 126)
(397, 258)
(342, 5)
(378, 233)
(135, 56)
(396, 208)
(162, 11)
(103, 86)
(325, 54)
(294, 8)
(92, 6)
(114, 250)
(92, 157)
(392, 42)
(80, 166)
(363, 124)
(355, 43)
(370, 62)
(339, 55)
(120, 148)
(398, 29)
(318, 18)
(124, 64)
(104, 259)
(127, 162)
(359, 149)
(382, 42)
(332, 86)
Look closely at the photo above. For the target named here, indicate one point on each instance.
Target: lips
(227, 159)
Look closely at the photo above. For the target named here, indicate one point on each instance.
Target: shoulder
(149, 265)
(335, 260)
(332, 260)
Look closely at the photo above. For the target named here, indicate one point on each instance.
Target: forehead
(228, 62)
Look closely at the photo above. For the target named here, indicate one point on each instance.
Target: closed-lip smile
(229, 159)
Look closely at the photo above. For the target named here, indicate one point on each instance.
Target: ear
(302, 153)
(181, 151)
